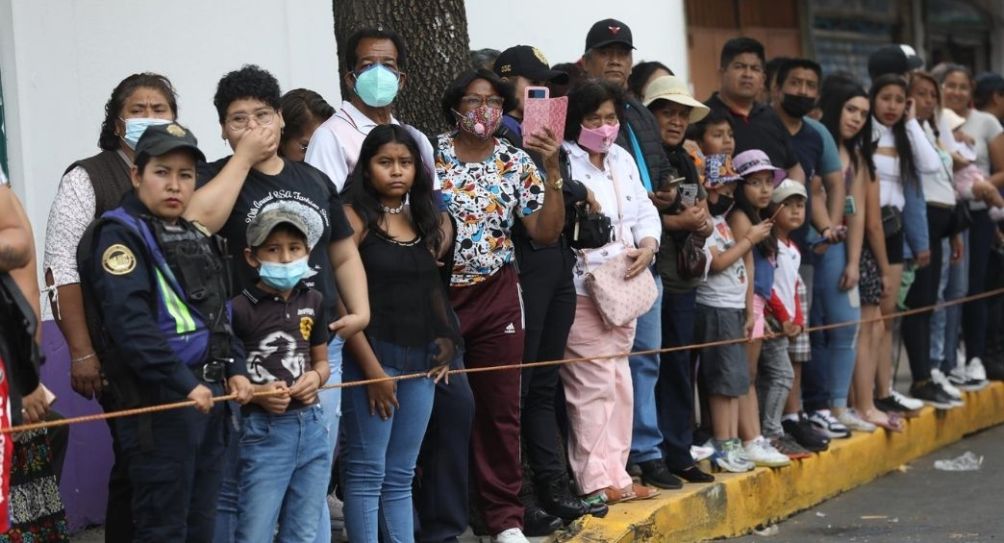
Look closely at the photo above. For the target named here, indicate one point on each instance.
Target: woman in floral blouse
(487, 185)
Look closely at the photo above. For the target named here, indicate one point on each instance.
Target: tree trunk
(436, 34)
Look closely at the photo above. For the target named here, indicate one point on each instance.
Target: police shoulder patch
(118, 260)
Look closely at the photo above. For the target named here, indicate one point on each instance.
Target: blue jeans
(378, 462)
(285, 463)
(946, 322)
(227, 498)
(646, 438)
(331, 401)
(833, 350)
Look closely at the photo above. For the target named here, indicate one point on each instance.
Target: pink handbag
(618, 300)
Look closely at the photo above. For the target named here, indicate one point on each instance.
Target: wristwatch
(557, 184)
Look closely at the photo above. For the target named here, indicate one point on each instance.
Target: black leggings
(916, 329)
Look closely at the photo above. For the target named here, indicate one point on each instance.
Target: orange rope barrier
(190, 403)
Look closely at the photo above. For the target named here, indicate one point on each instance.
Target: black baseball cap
(160, 139)
(893, 59)
(608, 31)
(987, 83)
(529, 62)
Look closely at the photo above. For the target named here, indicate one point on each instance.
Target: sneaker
(932, 394)
(762, 453)
(854, 423)
(786, 445)
(693, 474)
(699, 452)
(730, 459)
(512, 535)
(537, 523)
(911, 403)
(805, 434)
(975, 369)
(961, 380)
(996, 214)
(828, 425)
(945, 384)
(656, 473)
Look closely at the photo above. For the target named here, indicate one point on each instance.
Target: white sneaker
(512, 535)
(996, 214)
(947, 386)
(960, 380)
(731, 457)
(762, 453)
(975, 369)
(336, 509)
(854, 423)
(912, 404)
(698, 452)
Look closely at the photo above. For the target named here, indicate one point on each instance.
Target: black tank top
(408, 304)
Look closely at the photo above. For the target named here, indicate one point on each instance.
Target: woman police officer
(159, 286)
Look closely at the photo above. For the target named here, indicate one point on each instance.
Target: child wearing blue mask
(285, 457)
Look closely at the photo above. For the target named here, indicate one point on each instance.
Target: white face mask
(135, 127)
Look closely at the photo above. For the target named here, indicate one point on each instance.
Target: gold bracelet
(85, 357)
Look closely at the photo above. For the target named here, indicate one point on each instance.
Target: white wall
(60, 60)
(558, 28)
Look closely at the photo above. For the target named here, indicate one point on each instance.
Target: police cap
(158, 140)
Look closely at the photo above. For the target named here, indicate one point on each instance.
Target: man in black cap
(608, 56)
(524, 66)
(893, 59)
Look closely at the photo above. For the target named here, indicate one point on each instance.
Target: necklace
(393, 210)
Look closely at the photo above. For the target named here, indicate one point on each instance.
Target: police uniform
(161, 294)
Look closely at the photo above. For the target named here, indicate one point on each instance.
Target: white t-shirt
(786, 275)
(938, 186)
(983, 127)
(727, 288)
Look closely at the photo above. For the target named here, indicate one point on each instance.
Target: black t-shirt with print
(306, 191)
(278, 334)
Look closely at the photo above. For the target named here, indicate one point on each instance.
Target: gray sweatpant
(773, 382)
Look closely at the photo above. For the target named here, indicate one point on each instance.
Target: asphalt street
(917, 504)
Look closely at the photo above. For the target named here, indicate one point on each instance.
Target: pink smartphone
(539, 110)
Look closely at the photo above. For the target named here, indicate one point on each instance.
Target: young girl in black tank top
(412, 330)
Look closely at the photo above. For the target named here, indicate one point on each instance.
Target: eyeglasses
(262, 117)
(471, 102)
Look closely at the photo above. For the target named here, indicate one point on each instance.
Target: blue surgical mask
(377, 85)
(283, 276)
(135, 127)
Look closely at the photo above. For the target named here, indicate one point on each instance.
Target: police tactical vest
(191, 283)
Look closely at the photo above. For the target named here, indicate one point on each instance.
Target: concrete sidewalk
(736, 503)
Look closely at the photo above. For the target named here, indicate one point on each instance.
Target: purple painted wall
(84, 486)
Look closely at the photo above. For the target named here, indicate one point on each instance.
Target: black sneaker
(537, 523)
(892, 404)
(932, 394)
(806, 434)
(556, 499)
(655, 473)
(693, 474)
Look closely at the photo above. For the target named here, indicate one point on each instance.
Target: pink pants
(600, 400)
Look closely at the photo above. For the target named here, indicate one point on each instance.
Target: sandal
(890, 421)
(613, 495)
(641, 492)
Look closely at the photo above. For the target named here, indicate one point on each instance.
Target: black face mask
(722, 206)
(797, 106)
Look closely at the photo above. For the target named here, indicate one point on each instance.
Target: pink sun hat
(755, 160)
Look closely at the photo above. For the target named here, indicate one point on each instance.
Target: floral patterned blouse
(485, 198)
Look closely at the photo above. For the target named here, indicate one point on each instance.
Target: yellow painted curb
(736, 503)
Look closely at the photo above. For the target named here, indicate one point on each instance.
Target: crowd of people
(338, 244)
